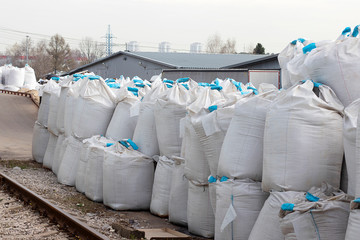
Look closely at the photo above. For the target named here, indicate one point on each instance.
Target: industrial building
(147, 64)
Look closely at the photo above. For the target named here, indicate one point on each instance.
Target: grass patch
(19, 163)
(83, 204)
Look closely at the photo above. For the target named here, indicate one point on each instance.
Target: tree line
(56, 56)
(53, 56)
(216, 45)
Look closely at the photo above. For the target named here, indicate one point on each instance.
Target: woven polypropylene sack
(161, 188)
(178, 194)
(201, 219)
(39, 142)
(69, 163)
(128, 177)
(303, 142)
(238, 204)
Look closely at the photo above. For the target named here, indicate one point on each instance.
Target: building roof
(245, 64)
(183, 60)
(198, 60)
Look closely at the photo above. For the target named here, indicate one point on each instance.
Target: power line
(74, 41)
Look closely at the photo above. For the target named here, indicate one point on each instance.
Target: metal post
(27, 49)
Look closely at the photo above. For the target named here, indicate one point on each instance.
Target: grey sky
(180, 22)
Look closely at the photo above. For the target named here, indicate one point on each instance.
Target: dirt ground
(17, 118)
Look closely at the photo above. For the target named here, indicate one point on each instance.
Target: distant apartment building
(164, 47)
(195, 47)
(132, 46)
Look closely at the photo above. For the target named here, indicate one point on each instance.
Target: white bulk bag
(350, 128)
(5, 73)
(161, 189)
(211, 128)
(16, 77)
(238, 204)
(326, 219)
(128, 177)
(70, 105)
(81, 172)
(267, 225)
(145, 131)
(29, 78)
(201, 220)
(11, 88)
(196, 165)
(94, 109)
(70, 161)
(59, 150)
(45, 102)
(94, 168)
(211, 131)
(178, 194)
(168, 110)
(50, 150)
(65, 86)
(123, 123)
(303, 144)
(241, 153)
(53, 110)
(39, 142)
(353, 230)
(293, 49)
(337, 65)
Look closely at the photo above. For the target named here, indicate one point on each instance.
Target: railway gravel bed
(20, 221)
(42, 181)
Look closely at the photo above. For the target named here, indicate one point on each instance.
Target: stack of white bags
(223, 158)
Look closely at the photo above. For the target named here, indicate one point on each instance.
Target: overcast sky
(180, 22)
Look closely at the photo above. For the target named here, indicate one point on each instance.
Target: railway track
(19, 220)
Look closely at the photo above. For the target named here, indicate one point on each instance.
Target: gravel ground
(96, 215)
(19, 221)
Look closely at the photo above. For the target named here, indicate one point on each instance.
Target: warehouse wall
(127, 66)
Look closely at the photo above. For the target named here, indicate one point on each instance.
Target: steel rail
(54, 213)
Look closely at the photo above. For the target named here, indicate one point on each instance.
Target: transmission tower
(109, 42)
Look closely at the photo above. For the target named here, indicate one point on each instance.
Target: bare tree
(60, 53)
(250, 47)
(229, 46)
(91, 50)
(42, 60)
(216, 45)
(17, 52)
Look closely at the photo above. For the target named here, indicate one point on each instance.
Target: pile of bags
(14, 78)
(223, 158)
